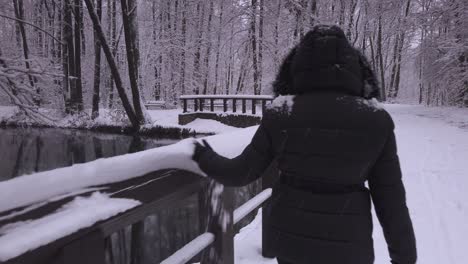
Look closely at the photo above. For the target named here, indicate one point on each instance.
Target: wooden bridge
(224, 108)
(155, 191)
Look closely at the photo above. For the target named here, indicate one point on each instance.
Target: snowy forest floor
(433, 149)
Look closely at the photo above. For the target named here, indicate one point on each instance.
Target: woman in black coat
(328, 143)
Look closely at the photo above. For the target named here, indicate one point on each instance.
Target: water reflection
(28, 150)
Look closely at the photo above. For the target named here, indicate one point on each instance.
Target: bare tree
(97, 65)
(113, 66)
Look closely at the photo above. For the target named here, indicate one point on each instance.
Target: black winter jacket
(327, 145)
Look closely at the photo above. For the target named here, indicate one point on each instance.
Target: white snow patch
(283, 102)
(209, 126)
(248, 244)
(372, 103)
(53, 199)
(7, 111)
(20, 237)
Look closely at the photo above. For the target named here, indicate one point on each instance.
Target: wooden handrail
(200, 243)
(174, 185)
(227, 96)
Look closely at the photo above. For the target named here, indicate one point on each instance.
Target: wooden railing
(220, 237)
(199, 102)
(157, 190)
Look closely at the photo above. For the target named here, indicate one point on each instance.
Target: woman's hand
(200, 149)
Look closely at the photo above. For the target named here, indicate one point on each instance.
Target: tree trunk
(157, 77)
(68, 55)
(130, 23)
(184, 40)
(218, 47)
(260, 46)
(77, 94)
(276, 33)
(113, 45)
(380, 57)
(112, 65)
(97, 65)
(198, 43)
(253, 39)
(400, 50)
(19, 13)
(208, 49)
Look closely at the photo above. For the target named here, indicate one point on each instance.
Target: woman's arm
(388, 196)
(243, 169)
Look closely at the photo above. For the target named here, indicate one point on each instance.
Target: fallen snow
(372, 103)
(209, 126)
(282, 102)
(248, 244)
(20, 237)
(53, 199)
(7, 111)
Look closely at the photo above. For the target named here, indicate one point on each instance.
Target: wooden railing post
(220, 202)
(212, 105)
(254, 106)
(195, 105)
(89, 249)
(137, 244)
(234, 105)
(225, 104)
(244, 106)
(269, 177)
(185, 105)
(263, 105)
(202, 102)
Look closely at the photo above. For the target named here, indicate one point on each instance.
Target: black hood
(324, 60)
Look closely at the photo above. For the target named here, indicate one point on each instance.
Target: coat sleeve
(388, 196)
(243, 169)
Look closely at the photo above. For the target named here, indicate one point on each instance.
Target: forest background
(79, 56)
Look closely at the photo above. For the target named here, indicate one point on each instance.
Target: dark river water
(27, 150)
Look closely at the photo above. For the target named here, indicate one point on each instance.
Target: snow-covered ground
(169, 118)
(433, 148)
(163, 118)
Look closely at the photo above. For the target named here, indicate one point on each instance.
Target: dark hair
(283, 85)
(371, 88)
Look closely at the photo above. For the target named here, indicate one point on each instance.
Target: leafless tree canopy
(160, 49)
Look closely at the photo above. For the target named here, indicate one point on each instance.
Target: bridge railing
(155, 191)
(199, 102)
(220, 234)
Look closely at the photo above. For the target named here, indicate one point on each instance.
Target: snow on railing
(251, 205)
(190, 250)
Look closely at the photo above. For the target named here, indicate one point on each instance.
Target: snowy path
(434, 159)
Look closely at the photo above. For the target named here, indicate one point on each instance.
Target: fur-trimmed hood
(325, 60)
